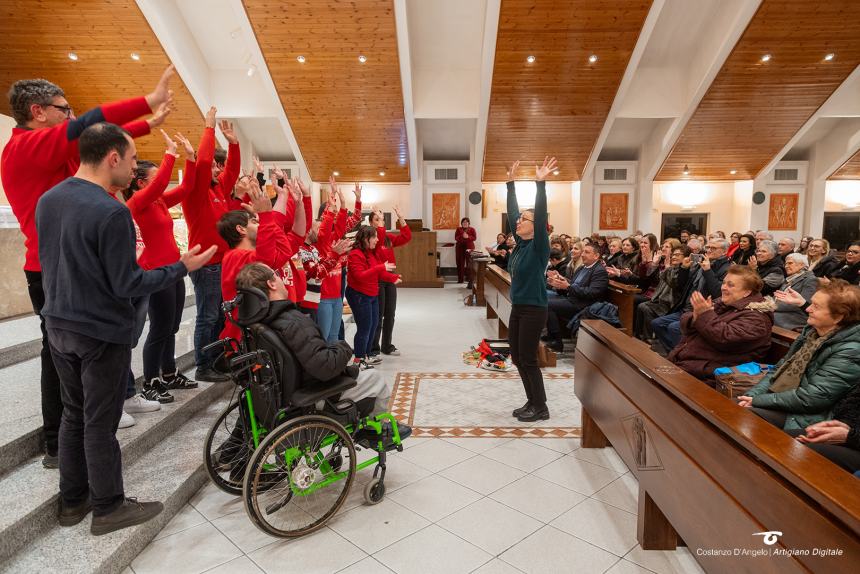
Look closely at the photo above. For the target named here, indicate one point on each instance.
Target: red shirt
(206, 203)
(385, 253)
(364, 272)
(332, 230)
(465, 236)
(34, 161)
(150, 209)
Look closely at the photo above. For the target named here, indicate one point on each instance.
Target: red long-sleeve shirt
(34, 161)
(385, 253)
(465, 236)
(331, 230)
(206, 203)
(150, 209)
(364, 272)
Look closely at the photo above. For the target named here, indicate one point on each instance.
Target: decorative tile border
(405, 393)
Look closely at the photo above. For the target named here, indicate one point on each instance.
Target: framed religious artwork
(613, 211)
(446, 210)
(782, 214)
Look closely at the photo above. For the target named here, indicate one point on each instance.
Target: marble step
(29, 493)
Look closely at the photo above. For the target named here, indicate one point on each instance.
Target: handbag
(736, 381)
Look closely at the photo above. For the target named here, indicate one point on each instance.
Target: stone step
(29, 493)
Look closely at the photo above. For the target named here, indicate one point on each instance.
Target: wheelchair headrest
(253, 306)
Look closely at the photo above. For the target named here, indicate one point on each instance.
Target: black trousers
(847, 458)
(385, 327)
(52, 403)
(165, 315)
(560, 310)
(93, 377)
(645, 313)
(524, 327)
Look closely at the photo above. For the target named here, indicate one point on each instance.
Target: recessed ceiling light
(592, 58)
(829, 57)
(733, 172)
(135, 56)
(73, 57)
(301, 59)
(530, 59)
(686, 169)
(556, 172)
(382, 173)
(766, 58)
(251, 69)
(335, 173)
(362, 59)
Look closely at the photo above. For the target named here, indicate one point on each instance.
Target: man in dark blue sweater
(90, 275)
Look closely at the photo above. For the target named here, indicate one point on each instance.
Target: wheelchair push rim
(299, 476)
(227, 449)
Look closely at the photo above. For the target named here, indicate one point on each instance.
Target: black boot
(521, 410)
(534, 413)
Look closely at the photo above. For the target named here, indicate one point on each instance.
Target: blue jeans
(329, 314)
(207, 291)
(667, 330)
(365, 310)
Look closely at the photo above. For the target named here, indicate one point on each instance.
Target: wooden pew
(622, 296)
(497, 294)
(479, 270)
(781, 339)
(711, 474)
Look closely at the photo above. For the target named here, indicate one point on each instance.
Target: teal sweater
(529, 259)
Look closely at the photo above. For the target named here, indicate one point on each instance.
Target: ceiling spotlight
(251, 69)
(335, 173)
(382, 173)
(686, 169)
(135, 56)
(733, 172)
(592, 58)
(829, 57)
(73, 57)
(766, 58)
(530, 59)
(362, 59)
(300, 59)
(556, 172)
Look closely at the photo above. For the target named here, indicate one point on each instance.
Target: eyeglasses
(523, 218)
(65, 109)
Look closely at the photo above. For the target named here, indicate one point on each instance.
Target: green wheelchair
(289, 451)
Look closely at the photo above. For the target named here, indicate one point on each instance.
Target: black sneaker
(178, 381)
(555, 346)
(155, 390)
(130, 513)
(210, 375)
(364, 365)
(51, 460)
(71, 515)
(393, 351)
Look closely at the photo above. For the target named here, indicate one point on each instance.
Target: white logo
(770, 537)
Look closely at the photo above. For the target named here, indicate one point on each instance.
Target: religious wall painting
(613, 211)
(783, 211)
(446, 210)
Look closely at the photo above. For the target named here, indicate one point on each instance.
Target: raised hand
(160, 115)
(259, 201)
(227, 130)
(162, 93)
(400, 218)
(209, 120)
(512, 173)
(189, 149)
(753, 262)
(342, 246)
(258, 165)
(171, 145)
(357, 191)
(380, 217)
(293, 189)
(193, 259)
(278, 173)
(549, 164)
(705, 263)
(302, 187)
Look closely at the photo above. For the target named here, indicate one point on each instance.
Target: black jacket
(848, 411)
(847, 272)
(319, 360)
(826, 267)
(772, 274)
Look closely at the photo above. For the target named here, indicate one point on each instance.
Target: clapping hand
(162, 92)
(753, 262)
(342, 246)
(790, 297)
(389, 266)
(549, 165)
(193, 259)
(745, 401)
(829, 432)
(700, 304)
(171, 145)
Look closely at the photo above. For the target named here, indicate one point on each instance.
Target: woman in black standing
(527, 265)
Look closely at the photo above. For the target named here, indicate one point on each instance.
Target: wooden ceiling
(848, 170)
(346, 116)
(558, 104)
(36, 38)
(753, 108)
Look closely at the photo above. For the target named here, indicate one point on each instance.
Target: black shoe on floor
(155, 390)
(130, 513)
(547, 338)
(211, 376)
(532, 414)
(555, 346)
(51, 461)
(178, 381)
(71, 515)
(521, 410)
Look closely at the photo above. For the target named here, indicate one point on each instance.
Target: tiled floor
(483, 505)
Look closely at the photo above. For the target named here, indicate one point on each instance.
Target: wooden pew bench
(623, 296)
(711, 474)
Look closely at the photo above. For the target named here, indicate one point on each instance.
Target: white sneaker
(139, 404)
(373, 360)
(126, 421)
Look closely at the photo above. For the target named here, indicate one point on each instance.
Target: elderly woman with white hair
(800, 279)
(768, 266)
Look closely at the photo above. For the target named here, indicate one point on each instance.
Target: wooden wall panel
(849, 170)
(346, 116)
(754, 108)
(558, 104)
(36, 37)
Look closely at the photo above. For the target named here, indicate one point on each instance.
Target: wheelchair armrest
(225, 344)
(307, 396)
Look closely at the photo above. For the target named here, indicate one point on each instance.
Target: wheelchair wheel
(227, 449)
(374, 491)
(299, 476)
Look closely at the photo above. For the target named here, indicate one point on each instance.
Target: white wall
(6, 125)
(560, 204)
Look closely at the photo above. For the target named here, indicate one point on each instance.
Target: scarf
(788, 376)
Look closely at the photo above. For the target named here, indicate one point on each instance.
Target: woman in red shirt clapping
(464, 238)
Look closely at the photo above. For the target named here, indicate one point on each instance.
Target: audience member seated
(745, 250)
(666, 295)
(613, 252)
(768, 266)
(587, 285)
(822, 366)
(850, 266)
(784, 247)
(734, 329)
(801, 279)
(804, 245)
(625, 267)
(575, 259)
(557, 261)
(838, 438)
(320, 361)
(820, 261)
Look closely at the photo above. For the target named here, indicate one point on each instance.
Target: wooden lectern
(416, 261)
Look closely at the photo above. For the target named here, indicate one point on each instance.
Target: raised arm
(181, 191)
(541, 234)
(233, 166)
(144, 197)
(513, 207)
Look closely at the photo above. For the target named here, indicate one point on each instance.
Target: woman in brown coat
(734, 329)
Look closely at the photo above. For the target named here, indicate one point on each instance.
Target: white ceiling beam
(837, 147)
(624, 86)
(488, 60)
